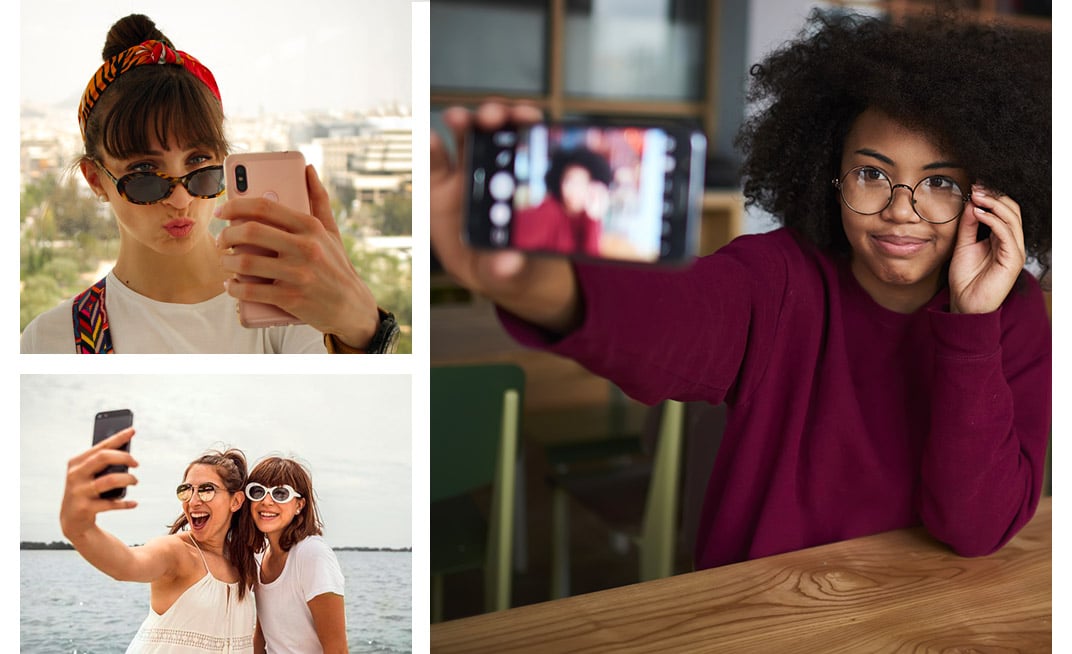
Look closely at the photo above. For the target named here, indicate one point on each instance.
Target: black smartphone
(604, 192)
(106, 424)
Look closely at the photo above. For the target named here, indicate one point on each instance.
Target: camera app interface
(598, 192)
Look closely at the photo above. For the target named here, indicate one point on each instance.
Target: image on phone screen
(619, 193)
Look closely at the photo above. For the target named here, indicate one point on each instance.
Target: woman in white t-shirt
(152, 127)
(299, 587)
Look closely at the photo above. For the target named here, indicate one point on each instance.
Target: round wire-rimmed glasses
(205, 492)
(867, 190)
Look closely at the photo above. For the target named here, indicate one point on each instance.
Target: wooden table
(899, 591)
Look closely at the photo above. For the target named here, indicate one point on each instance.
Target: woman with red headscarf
(151, 120)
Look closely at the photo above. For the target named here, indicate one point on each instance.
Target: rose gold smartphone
(278, 176)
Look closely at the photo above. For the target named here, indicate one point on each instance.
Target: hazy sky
(272, 54)
(353, 432)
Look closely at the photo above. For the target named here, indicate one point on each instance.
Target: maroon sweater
(548, 228)
(845, 418)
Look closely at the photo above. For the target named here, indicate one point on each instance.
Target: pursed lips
(899, 244)
(178, 227)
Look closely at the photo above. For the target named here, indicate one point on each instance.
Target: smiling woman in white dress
(199, 575)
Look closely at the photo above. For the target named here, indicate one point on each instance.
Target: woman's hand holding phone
(313, 277)
(541, 290)
(82, 499)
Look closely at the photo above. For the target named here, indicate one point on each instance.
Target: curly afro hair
(982, 92)
(562, 159)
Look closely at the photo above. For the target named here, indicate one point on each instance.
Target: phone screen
(106, 424)
(620, 193)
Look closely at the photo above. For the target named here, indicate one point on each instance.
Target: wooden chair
(475, 422)
(634, 494)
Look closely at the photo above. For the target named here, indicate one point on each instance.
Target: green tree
(395, 216)
(64, 235)
(39, 294)
(35, 194)
(390, 278)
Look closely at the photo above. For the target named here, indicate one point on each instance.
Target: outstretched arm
(82, 503)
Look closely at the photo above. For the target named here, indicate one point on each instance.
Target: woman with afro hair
(568, 220)
(884, 356)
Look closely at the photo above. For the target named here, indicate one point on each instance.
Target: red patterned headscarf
(148, 52)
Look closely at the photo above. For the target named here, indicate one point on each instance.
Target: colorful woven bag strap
(91, 333)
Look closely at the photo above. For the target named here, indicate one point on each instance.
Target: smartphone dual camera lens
(241, 179)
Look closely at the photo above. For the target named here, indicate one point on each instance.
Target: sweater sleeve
(673, 334)
(982, 466)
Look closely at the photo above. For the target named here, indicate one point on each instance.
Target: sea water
(68, 606)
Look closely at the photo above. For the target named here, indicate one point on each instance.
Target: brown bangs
(162, 105)
(276, 471)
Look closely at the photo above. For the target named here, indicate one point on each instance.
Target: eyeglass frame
(838, 184)
(268, 490)
(187, 486)
(121, 183)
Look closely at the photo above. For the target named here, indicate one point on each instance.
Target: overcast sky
(275, 55)
(353, 432)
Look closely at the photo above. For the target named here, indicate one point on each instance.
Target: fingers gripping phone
(106, 424)
(616, 193)
(278, 176)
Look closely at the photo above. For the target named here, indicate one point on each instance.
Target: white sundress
(207, 617)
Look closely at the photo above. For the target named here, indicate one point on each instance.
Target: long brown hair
(162, 102)
(276, 471)
(231, 467)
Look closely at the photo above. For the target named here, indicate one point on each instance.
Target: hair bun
(128, 32)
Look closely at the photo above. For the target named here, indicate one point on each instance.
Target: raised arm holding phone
(200, 575)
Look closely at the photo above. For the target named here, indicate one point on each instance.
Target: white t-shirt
(283, 611)
(142, 325)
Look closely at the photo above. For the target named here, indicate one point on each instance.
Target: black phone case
(107, 423)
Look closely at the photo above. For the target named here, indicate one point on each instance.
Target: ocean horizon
(67, 605)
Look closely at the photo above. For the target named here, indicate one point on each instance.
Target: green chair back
(466, 415)
(475, 422)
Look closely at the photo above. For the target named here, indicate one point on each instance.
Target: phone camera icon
(504, 139)
(500, 237)
(500, 214)
(501, 186)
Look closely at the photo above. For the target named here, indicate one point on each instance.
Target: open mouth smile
(198, 519)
